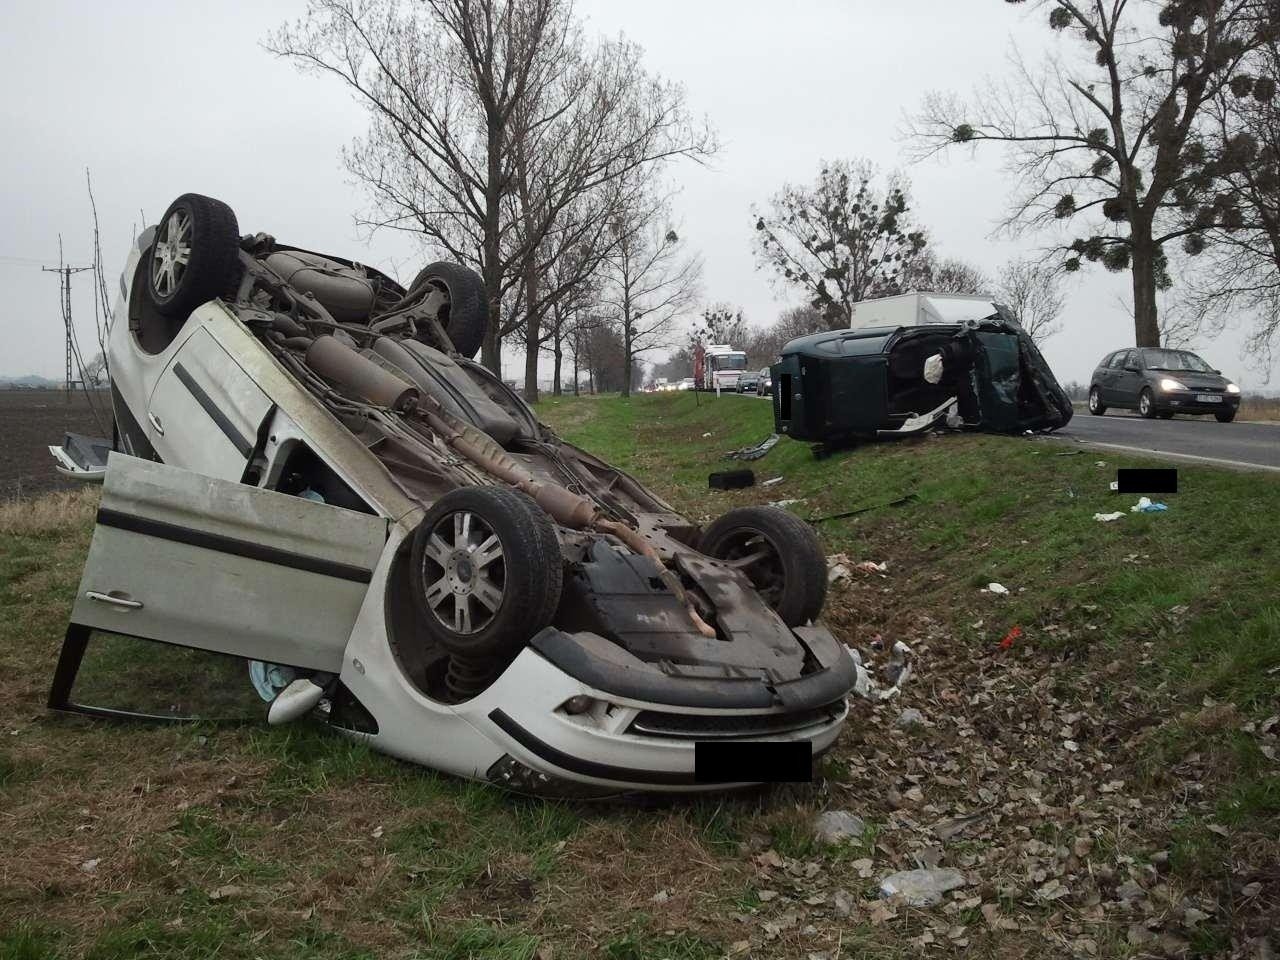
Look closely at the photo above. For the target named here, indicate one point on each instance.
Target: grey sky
(163, 98)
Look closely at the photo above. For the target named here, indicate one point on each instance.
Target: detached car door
(216, 565)
(205, 412)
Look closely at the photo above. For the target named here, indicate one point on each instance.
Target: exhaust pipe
(339, 364)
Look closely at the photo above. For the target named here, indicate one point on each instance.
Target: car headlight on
(1170, 384)
(1232, 388)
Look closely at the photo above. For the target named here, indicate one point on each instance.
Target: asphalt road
(1249, 445)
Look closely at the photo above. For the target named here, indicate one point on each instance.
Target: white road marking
(1238, 464)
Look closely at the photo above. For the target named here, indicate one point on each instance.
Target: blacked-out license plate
(1208, 398)
(752, 761)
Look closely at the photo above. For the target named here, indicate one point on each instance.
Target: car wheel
(467, 316)
(194, 257)
(487, 571)
(1226, 417)
(1146, 404)
(778, 552)
(1096, 406)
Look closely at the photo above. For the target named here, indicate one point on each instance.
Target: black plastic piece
(731, 479)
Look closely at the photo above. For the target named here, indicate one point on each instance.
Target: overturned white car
(309, 473)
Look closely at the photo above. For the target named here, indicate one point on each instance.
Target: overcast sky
(163, 98)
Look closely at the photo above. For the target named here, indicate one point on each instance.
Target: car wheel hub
(464, 570)
(171, 254)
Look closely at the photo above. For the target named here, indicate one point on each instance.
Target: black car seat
(346, 292)
(439, 377)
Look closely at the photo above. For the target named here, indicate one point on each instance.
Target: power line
(74, 366)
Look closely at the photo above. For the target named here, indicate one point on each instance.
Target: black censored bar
(743, 761)
(1164, 480)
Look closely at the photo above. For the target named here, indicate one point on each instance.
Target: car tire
(1225, 417)
(791, 576)
(1096, 406)
(468, 317)
(519, 598)
(206, 232)
(1147, 404)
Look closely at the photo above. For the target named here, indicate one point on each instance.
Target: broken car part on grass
(844, 386)
(311, 474)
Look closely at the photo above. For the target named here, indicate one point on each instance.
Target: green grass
(342, 853)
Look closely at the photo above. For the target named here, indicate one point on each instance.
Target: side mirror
(296, 700)
(1219, 372)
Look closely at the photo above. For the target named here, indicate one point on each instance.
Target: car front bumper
(1187, 402)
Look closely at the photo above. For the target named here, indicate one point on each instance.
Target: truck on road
(920, 309)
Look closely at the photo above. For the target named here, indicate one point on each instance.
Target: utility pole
(72, 377)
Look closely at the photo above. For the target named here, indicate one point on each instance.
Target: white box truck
(920, 309)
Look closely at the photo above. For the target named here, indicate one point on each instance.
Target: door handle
(155, 422)
(114, 601)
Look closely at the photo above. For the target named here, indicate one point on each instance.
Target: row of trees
(1154, 138)
(510, 142)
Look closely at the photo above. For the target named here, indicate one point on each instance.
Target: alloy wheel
(465, 572)
(171, 253)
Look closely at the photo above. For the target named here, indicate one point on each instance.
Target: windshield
(1175, 360)
(729, 361)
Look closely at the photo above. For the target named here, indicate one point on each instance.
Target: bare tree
(1032, 290)
(720, 323)
(474, 101)
(1106, 140)
(95, 371)
(928, 274)
(839, 240)
(649, 280)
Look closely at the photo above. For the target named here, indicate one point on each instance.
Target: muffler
(340, 365)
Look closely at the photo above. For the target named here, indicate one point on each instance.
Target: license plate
(1208, 398)
(747, 761)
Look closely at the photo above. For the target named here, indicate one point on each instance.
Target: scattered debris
(899, 502)
(707, 434)
(754, 452)
(90, 866)
(1144, 505)
(842, 901)
(921, 888)
(1107, 517)
(908, 718)
(787, 503)
(771, 481)
(1099, 463)
(837, 826)
(1010, 637)
(954, 826)
(896, 673)
(998, 588)
(662, 896)
(225, 893)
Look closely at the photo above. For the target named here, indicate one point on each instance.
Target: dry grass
(1259, 408)
(50, 513)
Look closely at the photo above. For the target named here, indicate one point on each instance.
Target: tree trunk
(557, 353)
(532, 332)
(491, 269)
(626, 354)
(577, 346)
(1146, 321)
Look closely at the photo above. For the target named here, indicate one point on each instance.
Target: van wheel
(1096, 406)
(1147, 404)
(779, 553)
(194, 257)
(487, 571)
(466, 318)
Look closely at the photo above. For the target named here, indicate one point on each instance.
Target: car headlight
(1232, 388)
(1168, 384)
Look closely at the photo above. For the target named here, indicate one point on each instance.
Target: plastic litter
(1107, 517)
(1010, 637)
(1144, 505)
(786, 503)
(922, 888)
(870, 566)
(999, 588)
(896, 673)
(933, 369)
(771, 481)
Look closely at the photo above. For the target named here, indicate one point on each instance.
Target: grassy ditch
(1121, 739)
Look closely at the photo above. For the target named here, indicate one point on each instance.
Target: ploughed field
(1103, 780)
(31, 420)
